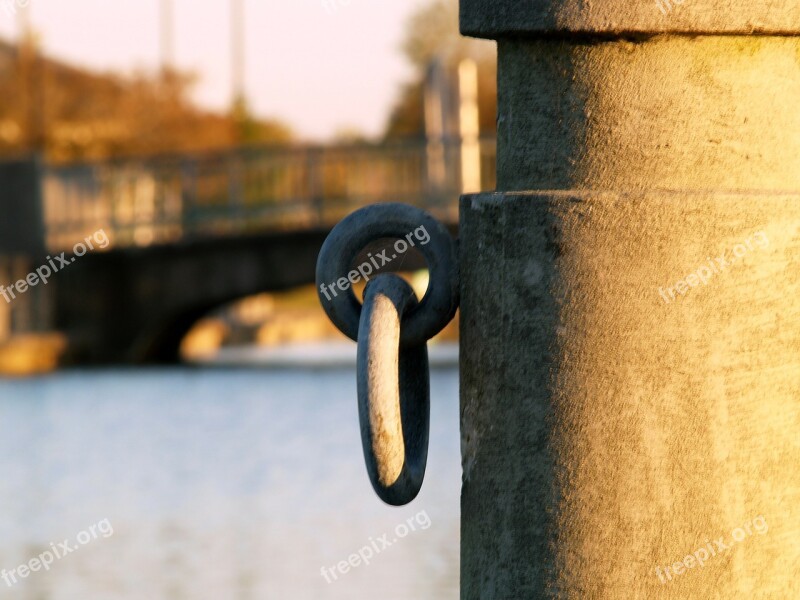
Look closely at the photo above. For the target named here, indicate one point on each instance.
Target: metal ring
(393, 393)
(387, 220)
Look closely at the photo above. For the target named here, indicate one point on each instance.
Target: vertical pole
(630, 331)
(469, 126)
(27, 58)
(167, 35)
(237, 50)
(315, 169)
(23, 24)
(435, 127)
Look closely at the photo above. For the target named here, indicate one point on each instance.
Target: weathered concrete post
(22, 236)
(630, 323)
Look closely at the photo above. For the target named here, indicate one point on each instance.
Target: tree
(68, 113)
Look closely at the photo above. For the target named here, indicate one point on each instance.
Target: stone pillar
(22, 221)
(630, 330)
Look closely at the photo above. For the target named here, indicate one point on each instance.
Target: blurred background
(174, 372)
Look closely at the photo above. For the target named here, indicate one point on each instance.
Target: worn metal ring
(393, 393)
(390, 220)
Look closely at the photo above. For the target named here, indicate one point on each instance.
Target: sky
(322, 66)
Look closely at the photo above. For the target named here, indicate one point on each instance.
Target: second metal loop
(393, 393)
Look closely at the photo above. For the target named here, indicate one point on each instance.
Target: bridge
(188, 234)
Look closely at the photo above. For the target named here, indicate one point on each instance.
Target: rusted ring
(390, 220)
(393, 393)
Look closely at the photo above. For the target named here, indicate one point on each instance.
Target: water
(218, 484)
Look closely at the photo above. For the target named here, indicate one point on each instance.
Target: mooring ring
(393, 393)
(390, 220)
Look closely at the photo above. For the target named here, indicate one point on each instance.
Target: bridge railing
(164, 200)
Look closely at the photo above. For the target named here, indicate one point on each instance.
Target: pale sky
(319, 69)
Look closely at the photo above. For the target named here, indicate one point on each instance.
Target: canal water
(215, 484)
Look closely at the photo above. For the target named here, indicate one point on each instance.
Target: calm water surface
(218, 484)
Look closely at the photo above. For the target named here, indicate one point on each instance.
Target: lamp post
(167, 36)
(237, 50)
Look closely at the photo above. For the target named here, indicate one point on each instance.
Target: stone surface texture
(630, 350)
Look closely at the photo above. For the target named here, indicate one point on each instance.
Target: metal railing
(165, 200)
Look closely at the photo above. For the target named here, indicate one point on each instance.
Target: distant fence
(164, 200)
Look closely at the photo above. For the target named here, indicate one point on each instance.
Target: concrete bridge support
(21, 236)
(630, 329)
(134, 306)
